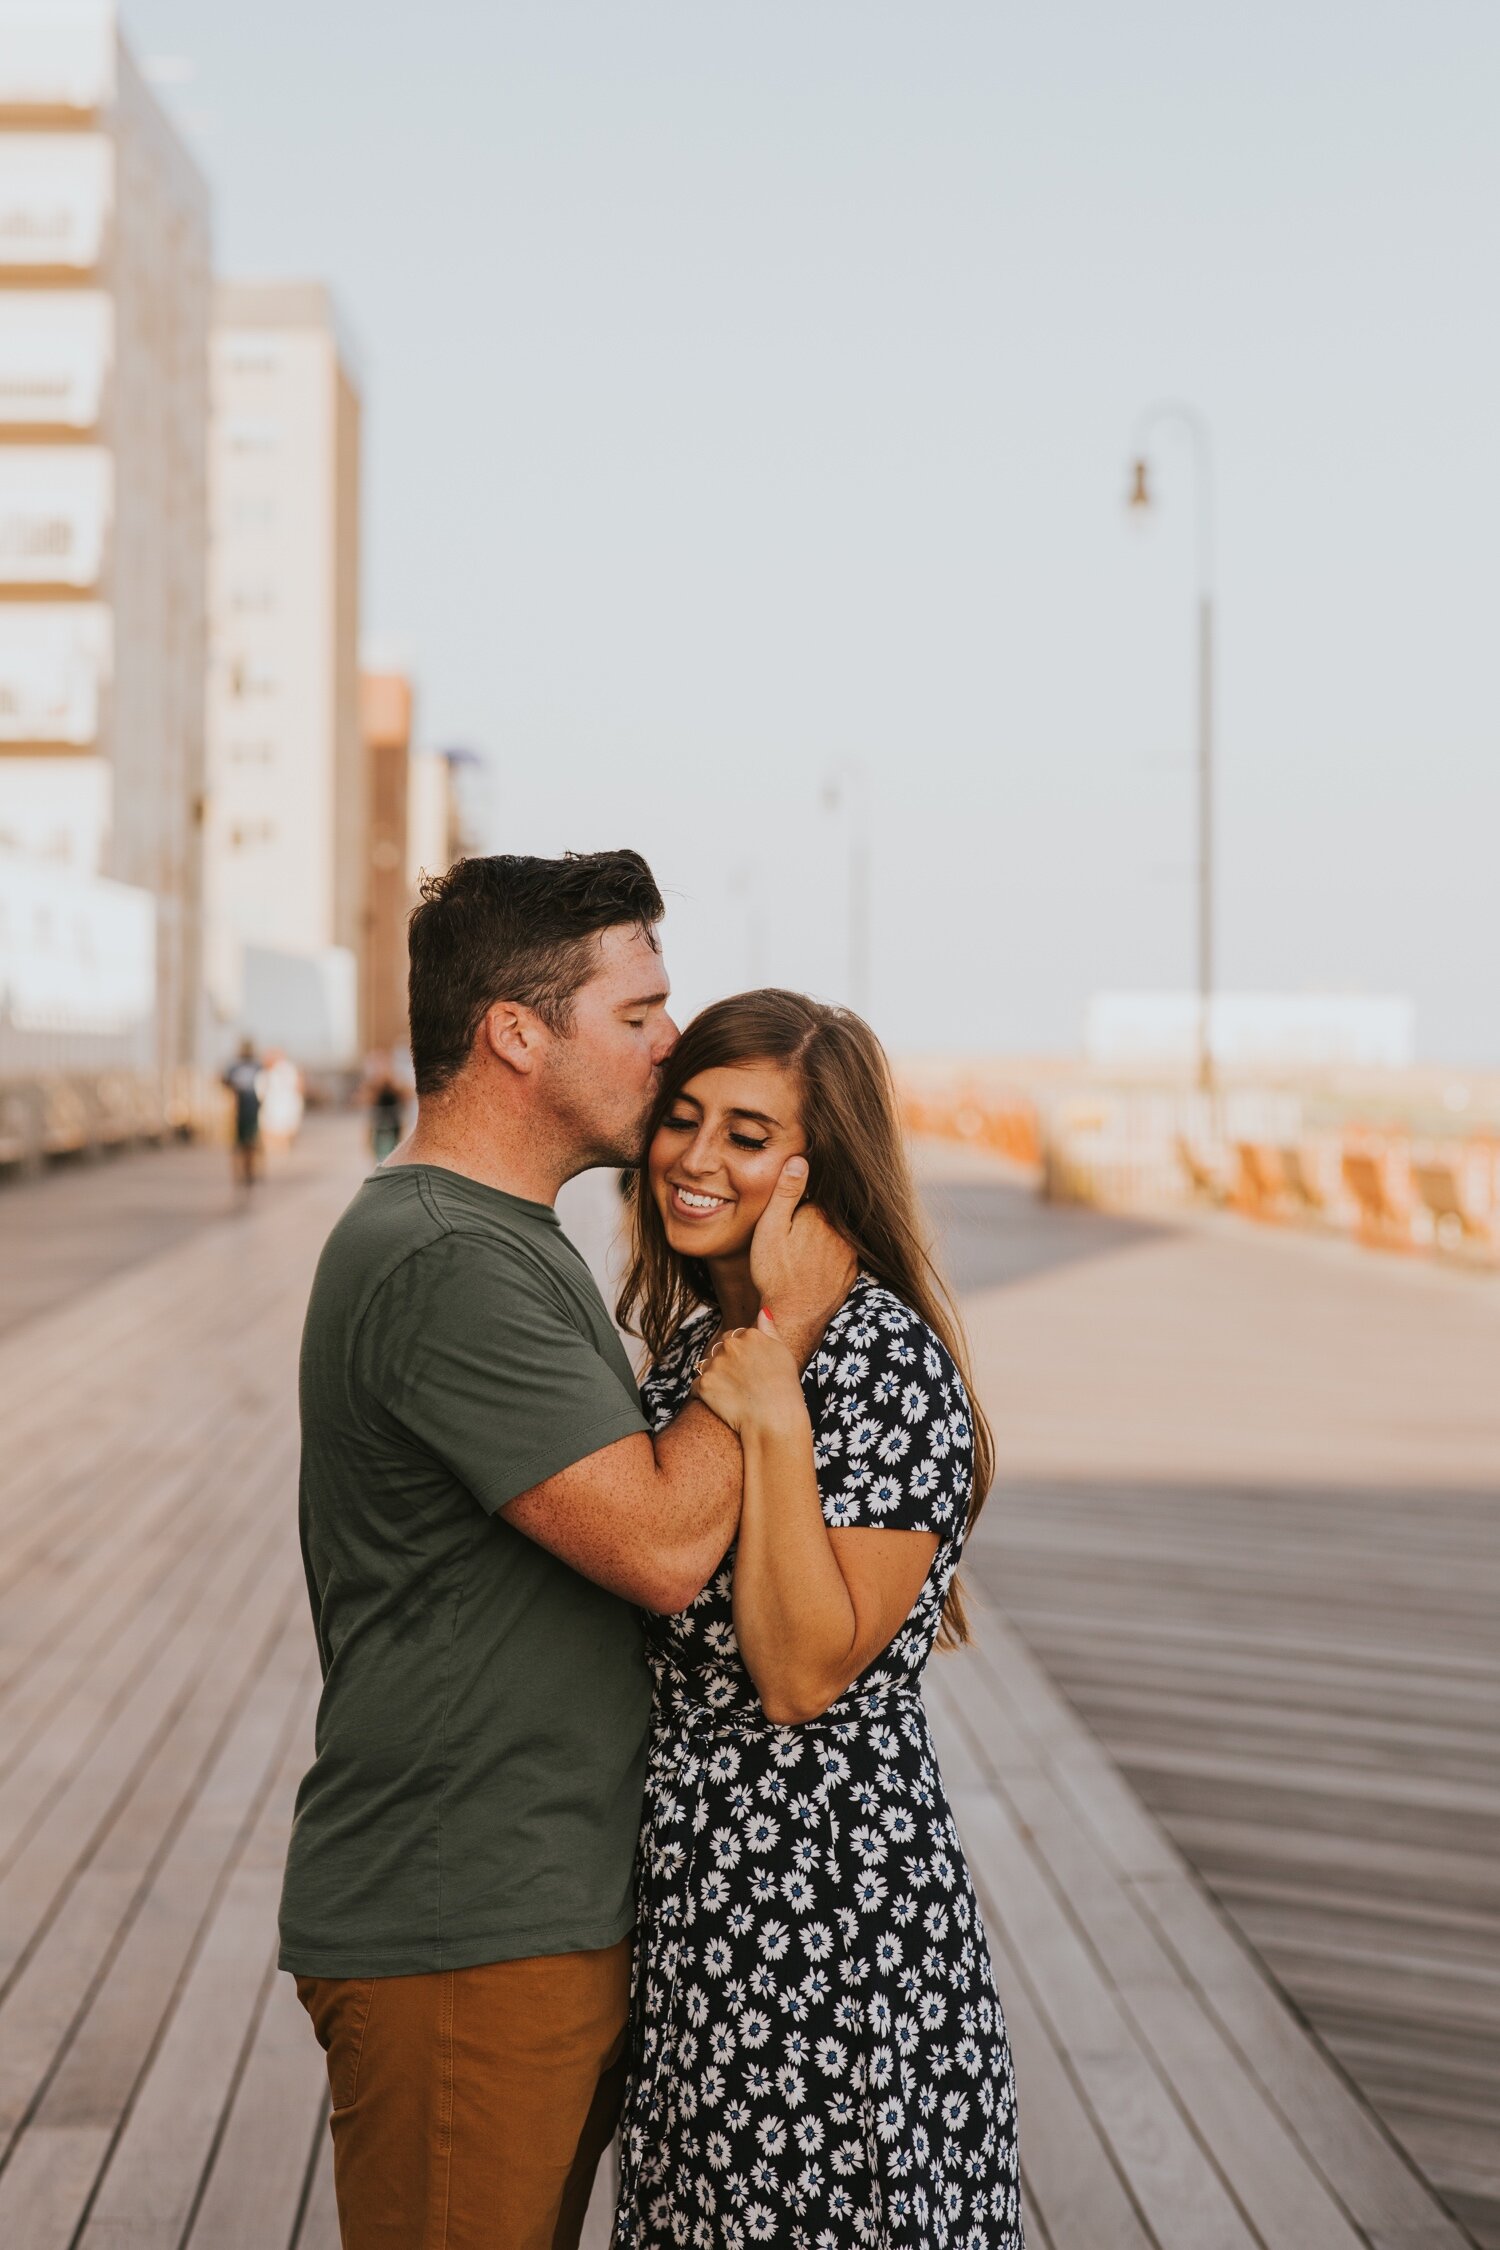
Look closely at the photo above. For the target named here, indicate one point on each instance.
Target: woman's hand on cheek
(750, 1380)
(803, 1268)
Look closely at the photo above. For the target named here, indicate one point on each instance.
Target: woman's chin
(705, 1242)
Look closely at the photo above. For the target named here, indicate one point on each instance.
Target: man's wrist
(801, 1335)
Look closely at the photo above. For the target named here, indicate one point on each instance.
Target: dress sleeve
(892, 1438)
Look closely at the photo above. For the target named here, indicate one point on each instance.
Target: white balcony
(55, 352)
(56, 54)
(77, 953)
(55, 509)
(56, 194)
(57, 811)
(54, 662)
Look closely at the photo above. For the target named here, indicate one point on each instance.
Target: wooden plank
(1386, 2198)
(1178, 2189)
(1264, 2164)
(112, 2037)
(149, 2189)
(92, 1936)
(1072, 2189)
(319, 2229)
(160, 1660)
(62, 1390)
(117, 1427)
(97, 1697)
(46, 2184)
(99, 2074)
(253, 2195)
(1069, 2174)
(1300, 1679)
(598, 2220)
(1173, 2182)
(90, 1793)
(98, 1640)
(1380, 2190)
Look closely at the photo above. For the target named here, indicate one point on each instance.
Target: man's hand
(801, 1266)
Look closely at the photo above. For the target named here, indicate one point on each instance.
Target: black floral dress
(818, 2055)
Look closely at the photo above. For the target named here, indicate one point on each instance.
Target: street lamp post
(1188, 418)
(847, 790)
(744, 885)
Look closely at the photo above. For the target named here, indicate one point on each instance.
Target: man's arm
(652, 1518)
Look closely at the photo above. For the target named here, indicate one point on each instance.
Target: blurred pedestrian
(244, 1078)
(387, 1111)
(282, 1102)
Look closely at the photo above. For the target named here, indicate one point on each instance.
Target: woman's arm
(812, 1607)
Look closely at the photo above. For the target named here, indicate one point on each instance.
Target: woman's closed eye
(690, 1125)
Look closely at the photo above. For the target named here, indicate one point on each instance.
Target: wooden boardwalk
(158, 2085)
(1249, 1520)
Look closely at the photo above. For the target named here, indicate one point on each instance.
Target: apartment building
(435, 834)
(386, 713)
(288, 811)
(104, 308)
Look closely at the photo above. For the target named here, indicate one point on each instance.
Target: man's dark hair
(509, 927)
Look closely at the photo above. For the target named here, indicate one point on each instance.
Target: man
(243, 1078)
(481, 1505)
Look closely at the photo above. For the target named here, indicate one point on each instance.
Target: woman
(818, 2055)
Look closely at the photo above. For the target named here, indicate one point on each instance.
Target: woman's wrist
(777, 1422)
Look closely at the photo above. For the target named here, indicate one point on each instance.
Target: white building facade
(287, 802)
(104, 306)
(1252, 1031)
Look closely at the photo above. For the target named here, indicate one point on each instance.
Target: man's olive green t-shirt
(476, 1790)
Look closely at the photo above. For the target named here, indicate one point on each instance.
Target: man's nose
(666, 1040)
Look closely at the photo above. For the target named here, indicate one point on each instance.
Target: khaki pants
(471, 2107)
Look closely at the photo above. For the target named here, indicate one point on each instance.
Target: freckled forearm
(699, 1474)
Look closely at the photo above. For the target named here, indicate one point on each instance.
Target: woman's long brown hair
(858, 1177)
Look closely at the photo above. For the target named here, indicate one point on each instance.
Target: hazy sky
(751, 388)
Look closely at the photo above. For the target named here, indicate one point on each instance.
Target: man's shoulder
(409, 1238)
(387, 1213)
(385, 1226)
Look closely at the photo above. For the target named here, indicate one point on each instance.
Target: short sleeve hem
(563, 1453)
(892, 1440)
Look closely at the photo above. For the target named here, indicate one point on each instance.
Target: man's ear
(513, 1036)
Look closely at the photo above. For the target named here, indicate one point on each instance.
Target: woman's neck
(734, 1290)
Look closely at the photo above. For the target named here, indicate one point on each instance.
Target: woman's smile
(690, 1204)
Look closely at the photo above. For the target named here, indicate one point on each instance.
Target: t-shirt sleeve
(892, 1438)
(482, 1363)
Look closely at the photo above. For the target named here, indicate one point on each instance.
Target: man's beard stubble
(623, 1149)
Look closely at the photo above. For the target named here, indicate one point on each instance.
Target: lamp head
(1140, 496)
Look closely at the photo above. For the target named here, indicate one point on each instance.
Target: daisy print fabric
(818, 2056)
